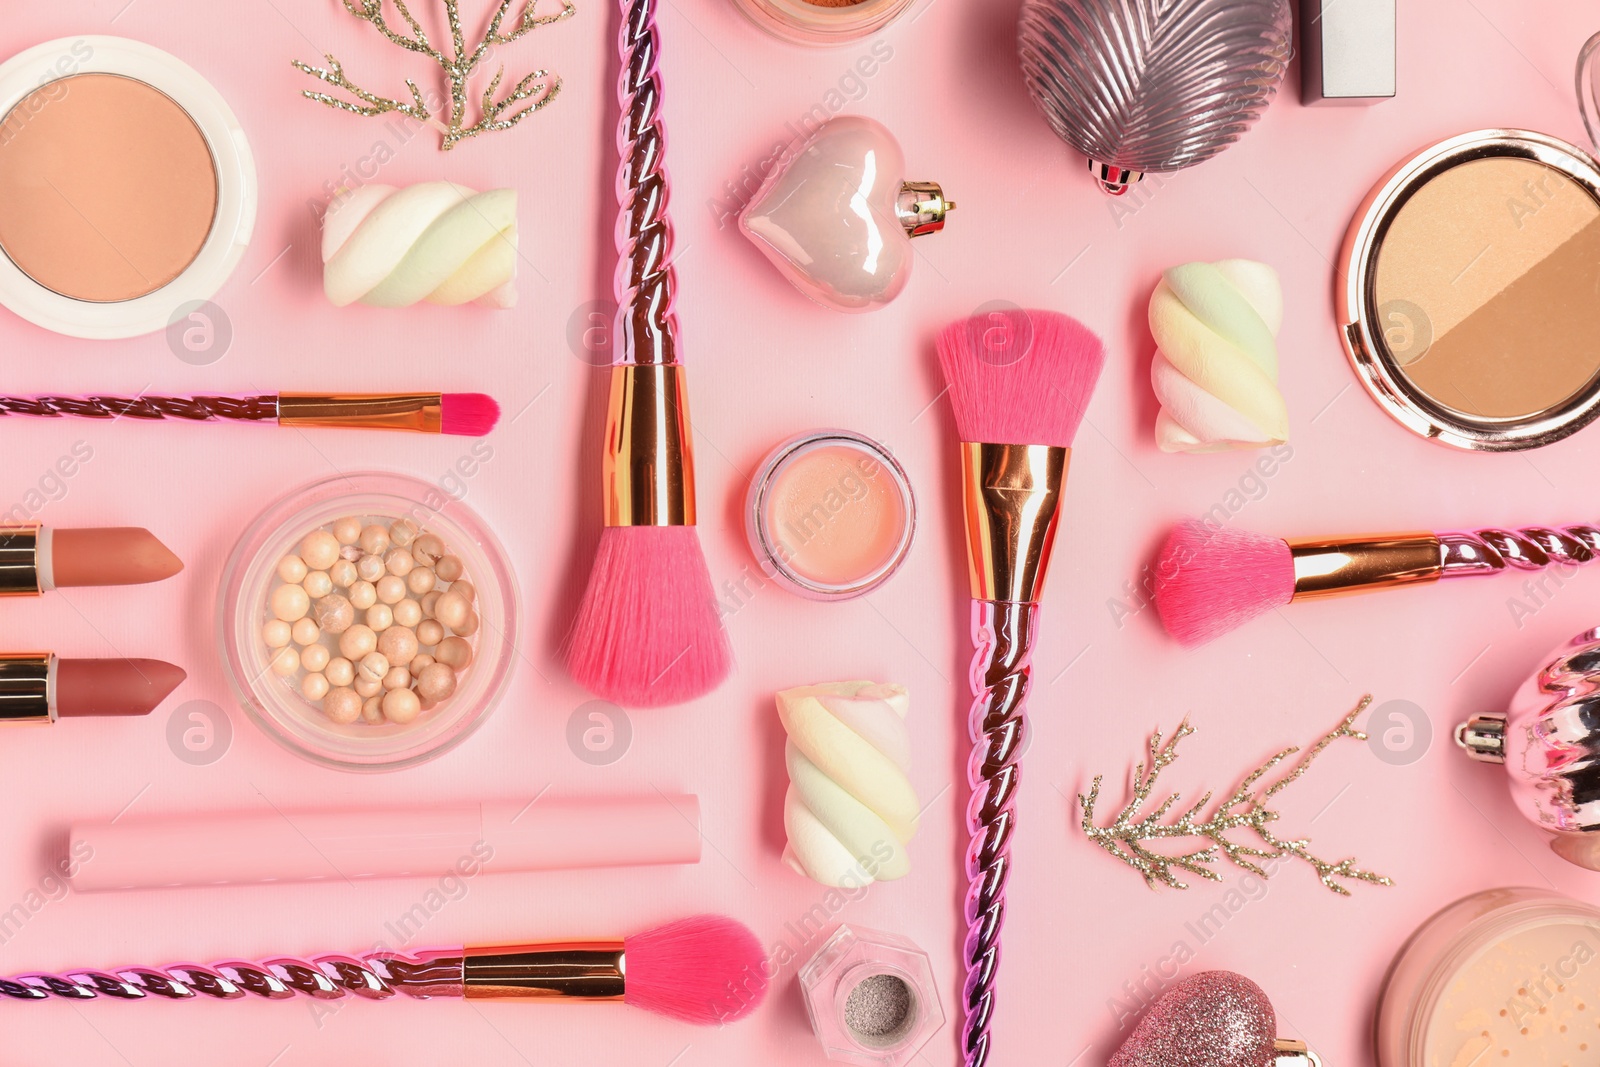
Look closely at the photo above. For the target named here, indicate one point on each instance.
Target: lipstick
(41, 687)
(35, 559)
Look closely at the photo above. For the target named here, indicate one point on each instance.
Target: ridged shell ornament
(1152, 85)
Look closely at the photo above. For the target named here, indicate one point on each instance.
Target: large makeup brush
(706, 970)
(456, 414)
(1211, 579)
(1019, 383)
(648, 631)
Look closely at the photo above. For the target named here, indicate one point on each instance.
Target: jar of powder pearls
(828, 22)
(368, 621)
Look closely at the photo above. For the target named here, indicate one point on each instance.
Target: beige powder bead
(286, 663)
(343, 573)
(399, 562)
(452, 610)
(372, 709)
(421, 581)
(449, 568)
(292, 569)
(373, 665)
(408, 612)
(290, 602)
(380, 617)
(317, 584)
(315, 658)
(467, 590)
(402, 532)
(351, 553)
(368, 687)
(421, 662)
(401, 706)
(357, 642)
(454, 652)
(391, 590)
(397, 678)
(319, 550)
(427, 549)
(469, 625)
(313, 687)
(339, 671)
(374, 540)
(429, 632)
(276, 633)
(363, 595)
(435, 683)
(347, 531)
(305, 632)
(399, 643)
(342, 705)
(334, 613)
(369, 568)
(430, 601)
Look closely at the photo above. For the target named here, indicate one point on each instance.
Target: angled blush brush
(705, 970)
(647, 632)
(454, 414)
(1210, 579)
(1019, 384)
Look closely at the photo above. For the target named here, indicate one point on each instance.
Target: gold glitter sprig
(459, 65)
(1247, 809)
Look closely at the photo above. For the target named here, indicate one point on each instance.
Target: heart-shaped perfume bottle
(836, 217)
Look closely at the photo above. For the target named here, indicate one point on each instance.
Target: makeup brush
(648, 632)
(35, 559)
(1019, 384)
(1212, 579)
(39, 687)
(705, 970)
(455, 414)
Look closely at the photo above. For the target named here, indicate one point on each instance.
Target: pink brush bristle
(648, 633)
(704, 970)
(468, 414)
(1020, 377)
(1212, 579)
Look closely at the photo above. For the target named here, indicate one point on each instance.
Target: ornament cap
(1291, 1053)
(1113, 179)
(921, 207)
(1483, 737)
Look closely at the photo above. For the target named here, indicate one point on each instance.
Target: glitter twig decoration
(1127, 836)
(459, 65)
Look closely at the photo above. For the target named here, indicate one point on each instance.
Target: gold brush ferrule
(582, 970)
(649, 457)
(25, 687)
(1012, 499)
(19, 560)
(1354, 565)
(417, 412)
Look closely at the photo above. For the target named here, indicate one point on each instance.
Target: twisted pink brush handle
(1002, 672)
(257, 408)
(1531, 548)
(375, 976)
(646, 328)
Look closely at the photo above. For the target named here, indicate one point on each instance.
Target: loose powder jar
(871, 998)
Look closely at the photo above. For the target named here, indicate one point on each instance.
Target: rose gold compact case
(1470, 305)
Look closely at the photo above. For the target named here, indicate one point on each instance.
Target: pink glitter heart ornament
(1213, 1019)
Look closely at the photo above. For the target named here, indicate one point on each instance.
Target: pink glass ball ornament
(836, 218)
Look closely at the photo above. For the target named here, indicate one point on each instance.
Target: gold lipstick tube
(1011, 495)
(418, 412)
(19, 560)
(25, 687)
(648, 468)
(1324, 568)
(581, 970)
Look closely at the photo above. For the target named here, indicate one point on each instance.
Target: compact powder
(1487, 288)
(108, 188)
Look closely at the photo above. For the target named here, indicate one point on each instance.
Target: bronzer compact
(127, 188)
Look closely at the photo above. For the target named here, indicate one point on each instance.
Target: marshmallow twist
(437, 242)
(1216, 364)
(850, 809)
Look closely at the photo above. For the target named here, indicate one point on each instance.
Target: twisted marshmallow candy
(1216, 365)
(850, 808)
(436, 241)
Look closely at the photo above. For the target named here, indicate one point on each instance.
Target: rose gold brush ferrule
(25, 687)
(1325, 568)
(581, 970)
(417, 412)
(1012, 498)
(19, 560)
(649, 457)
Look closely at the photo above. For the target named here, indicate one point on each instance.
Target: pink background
(1030, 229)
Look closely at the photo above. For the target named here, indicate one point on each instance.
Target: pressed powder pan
(1471, 302)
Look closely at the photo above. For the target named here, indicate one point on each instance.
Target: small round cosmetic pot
(830, 514)
(127, 188)
(871, 998)
(1503, 976)
(828, 23)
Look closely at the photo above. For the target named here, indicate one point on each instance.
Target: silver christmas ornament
(1152, 85)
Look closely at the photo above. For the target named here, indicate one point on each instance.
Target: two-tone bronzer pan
(127, 188)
